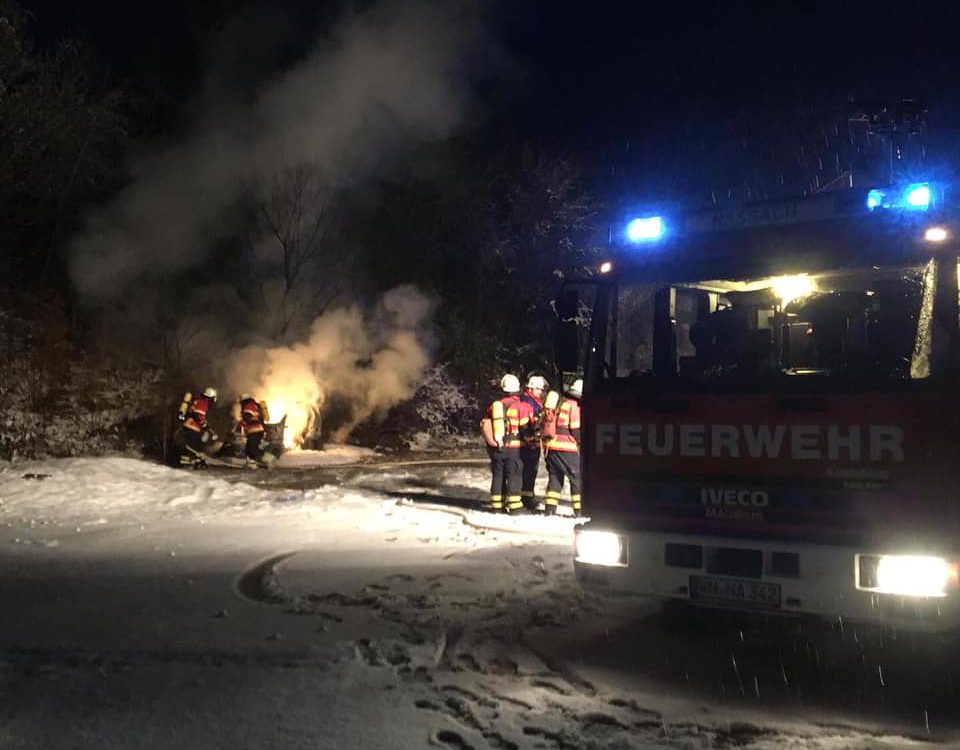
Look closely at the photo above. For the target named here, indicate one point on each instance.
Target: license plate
(732, 590)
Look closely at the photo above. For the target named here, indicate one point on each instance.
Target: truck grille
(730, 561)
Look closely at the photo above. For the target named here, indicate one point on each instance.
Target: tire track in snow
(259, 583)
(471, 520)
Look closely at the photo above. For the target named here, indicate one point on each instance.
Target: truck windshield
(868, 326)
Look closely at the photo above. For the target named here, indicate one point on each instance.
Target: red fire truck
(770, 412)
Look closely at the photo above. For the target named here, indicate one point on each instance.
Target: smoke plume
(380, 81)
(370, 361)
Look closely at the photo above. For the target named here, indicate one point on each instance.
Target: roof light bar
(916, 196)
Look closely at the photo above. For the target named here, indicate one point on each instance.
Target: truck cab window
(860, 325)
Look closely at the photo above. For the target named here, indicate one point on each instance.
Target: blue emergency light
(646, 229)
(916, 196)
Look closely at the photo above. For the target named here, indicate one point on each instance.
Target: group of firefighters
(517, 428)
(249, 418)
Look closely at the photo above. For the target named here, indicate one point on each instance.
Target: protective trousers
(506, 479)
(193, 452)
(530, 459)
(560, 465)
(253, 450)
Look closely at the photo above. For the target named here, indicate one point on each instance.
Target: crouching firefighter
(252, 423)
(562, 434)
(193, 414)
(501, 428)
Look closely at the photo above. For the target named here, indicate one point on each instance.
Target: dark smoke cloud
(381, 80)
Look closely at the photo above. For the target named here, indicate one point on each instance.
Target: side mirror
(566, 346)
(567, 304)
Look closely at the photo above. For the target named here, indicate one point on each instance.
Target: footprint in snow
(420, 674)
(467, 661)
(463, 693)
(559, 739)
(447, 738)
(597, 719)
(553, 688)
(381, 654)
(633, 706)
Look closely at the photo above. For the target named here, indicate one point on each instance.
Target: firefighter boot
(550, 510)
(514, 506)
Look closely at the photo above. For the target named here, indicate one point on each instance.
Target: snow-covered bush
(441, 413)
(71, 407)
(445, 406)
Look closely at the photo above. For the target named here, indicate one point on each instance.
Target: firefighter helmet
(510, 383)
(245, 396)
(576, 388)
(538, 382)
(210, 392)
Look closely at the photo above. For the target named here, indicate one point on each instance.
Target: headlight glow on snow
(599, 548)
(914, 575)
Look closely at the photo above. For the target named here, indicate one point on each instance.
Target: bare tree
(297, 217)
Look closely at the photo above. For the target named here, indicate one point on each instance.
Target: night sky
(628, 87)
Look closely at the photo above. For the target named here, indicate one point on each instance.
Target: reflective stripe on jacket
(251, 416)
(196, 418)
(510, 416)
(567, 437)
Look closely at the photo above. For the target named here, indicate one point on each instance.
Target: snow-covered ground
(330, 456)
(369, 607)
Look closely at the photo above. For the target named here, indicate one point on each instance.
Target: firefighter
(530, 450)
(251, 423)
(562, 433)
(501, 426)
(193, 413)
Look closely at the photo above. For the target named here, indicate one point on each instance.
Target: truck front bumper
(770, 577)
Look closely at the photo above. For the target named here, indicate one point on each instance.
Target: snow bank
(114, 488)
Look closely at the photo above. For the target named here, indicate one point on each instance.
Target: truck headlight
(600, 548)
(908, 575)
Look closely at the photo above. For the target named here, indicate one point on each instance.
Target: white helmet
(210, 392)
(510, 383)
(576, 388)
(537, 381)
(245, 396)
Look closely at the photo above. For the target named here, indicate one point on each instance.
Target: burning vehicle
(278, 436)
